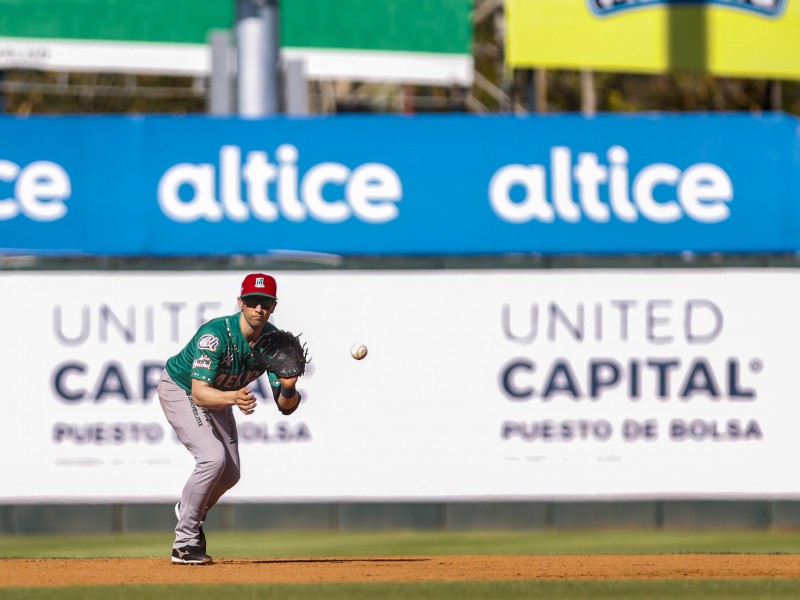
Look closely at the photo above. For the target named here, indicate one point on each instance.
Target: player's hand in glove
(281, 352)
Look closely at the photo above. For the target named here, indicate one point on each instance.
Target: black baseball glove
(281, 352)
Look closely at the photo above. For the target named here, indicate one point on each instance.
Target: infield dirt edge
(29, 572)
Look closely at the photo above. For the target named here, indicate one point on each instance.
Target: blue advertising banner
(434, 185)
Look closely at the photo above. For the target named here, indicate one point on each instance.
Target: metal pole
(296, 88)
(258, 51)
(220, 92)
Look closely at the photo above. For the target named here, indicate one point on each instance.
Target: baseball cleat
(190, 555)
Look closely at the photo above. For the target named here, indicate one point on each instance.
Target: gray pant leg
(211, 438)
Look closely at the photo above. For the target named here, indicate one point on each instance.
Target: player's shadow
(277, 561)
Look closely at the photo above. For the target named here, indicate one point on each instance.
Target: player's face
(257, 310)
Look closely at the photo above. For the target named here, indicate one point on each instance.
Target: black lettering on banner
(508, 381)
(561, 380)
(702, 321)
(699, 379)
(505, 325)
(640, 378)
(69, 382)
(735, 389)
(102, 434)
(653, 321)
(557, 316)
(59, 382)
(634, 383)
(699, 430)
(623, 306)
(555, 431)
(130, 324)
(693, 336)
(597, 381)
(112, 382)
(108, 318)
(662, 375)
(634, 430)
(58, 328)
(281, 432)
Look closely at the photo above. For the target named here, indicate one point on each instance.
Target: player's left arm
(288, 398)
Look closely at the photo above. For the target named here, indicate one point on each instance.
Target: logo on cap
(259, 284)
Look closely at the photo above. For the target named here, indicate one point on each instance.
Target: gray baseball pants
(211, 437)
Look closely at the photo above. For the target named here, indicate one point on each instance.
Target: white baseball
(358, 351)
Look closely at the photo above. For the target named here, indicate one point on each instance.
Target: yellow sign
(736, 38)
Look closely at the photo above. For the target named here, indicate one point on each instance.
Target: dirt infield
(63, 572)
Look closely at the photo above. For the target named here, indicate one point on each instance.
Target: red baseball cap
(259, 284)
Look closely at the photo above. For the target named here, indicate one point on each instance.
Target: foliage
(496, 89)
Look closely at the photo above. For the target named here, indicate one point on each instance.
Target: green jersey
(220, 355)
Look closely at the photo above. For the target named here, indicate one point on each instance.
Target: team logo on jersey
(769, 8)
(208, 342)
(202, 362)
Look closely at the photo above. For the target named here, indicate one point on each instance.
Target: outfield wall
(539, 386)
(451, 185)
(673, 515)
(476, 230)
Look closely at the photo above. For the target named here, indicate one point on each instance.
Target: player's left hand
(282, 353)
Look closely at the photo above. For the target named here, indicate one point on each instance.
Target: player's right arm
(207, 396)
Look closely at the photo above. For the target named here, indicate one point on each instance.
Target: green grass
(229, 544)
(225, 544)
(723, 589)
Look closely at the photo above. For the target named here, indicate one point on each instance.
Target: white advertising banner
(518, 384)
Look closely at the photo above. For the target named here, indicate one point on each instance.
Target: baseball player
(199, 388)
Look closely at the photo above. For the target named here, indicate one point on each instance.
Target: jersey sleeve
(208, 349)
